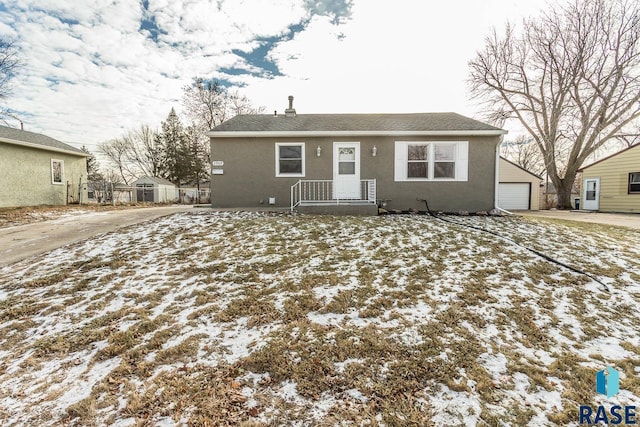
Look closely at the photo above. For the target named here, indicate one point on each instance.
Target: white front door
(346, 170)
(591, 195)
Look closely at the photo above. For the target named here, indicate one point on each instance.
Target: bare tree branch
(134, 154)
(571, 77)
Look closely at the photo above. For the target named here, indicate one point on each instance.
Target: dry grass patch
(252, 318)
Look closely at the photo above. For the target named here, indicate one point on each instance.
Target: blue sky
(96, 68)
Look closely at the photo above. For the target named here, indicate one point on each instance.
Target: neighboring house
(518, 189)
(613, 183)
(38, 170)
(156, 190)
(324, 162)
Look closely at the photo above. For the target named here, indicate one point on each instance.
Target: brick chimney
(290, 112)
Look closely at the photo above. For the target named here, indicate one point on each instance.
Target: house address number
(217, 163)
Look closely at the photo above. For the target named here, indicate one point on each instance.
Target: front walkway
(618, 219)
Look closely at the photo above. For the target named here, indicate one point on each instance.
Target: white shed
(156, 190)
(518, 188)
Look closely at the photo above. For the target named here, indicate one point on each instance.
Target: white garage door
(513, 196)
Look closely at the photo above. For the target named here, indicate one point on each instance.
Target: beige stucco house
(518, 189)
(39, 170)
(613, 183)
(337, 162)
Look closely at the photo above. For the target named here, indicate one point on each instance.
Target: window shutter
(462, 161)
(400, 169)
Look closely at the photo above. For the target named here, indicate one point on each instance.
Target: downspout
(497, 178)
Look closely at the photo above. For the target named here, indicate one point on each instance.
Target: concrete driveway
(623, 220)
(23, 241)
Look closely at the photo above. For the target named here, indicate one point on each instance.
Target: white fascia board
(273, 134)
(42, 147)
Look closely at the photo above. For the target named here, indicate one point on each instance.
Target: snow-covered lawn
(225, 318)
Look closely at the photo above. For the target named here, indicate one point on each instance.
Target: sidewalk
(621, 219)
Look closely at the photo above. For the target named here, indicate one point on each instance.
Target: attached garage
(518, 188)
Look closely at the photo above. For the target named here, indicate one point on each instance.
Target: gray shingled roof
(31, 138)
(418, 122)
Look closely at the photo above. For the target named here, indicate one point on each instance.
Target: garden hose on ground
(534, 251)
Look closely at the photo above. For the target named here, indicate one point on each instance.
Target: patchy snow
(379, 313)
(455, 408)
(495, 364)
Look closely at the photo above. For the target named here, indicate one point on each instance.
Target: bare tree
(239, 104)
(632, 137)
(147, 150)
(117, 153)
(136, 153)
(205, 103)
(9, 64)
(571, 77)
(525, 153)
(208, 103)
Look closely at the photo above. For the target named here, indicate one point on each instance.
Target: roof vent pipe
(290, 112)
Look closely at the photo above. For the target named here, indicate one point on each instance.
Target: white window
(431, 160)
(57, 171)
(289, 159)
(418, 161)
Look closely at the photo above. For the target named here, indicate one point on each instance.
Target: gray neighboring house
(347, 163)
(39, 170)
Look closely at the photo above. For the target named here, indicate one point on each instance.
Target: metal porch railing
(322, 192)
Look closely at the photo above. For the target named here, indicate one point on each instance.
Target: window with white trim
(418, 161)
(431, 160)
(57, 171)
(444, 161)
(634, 183)
(289, 159)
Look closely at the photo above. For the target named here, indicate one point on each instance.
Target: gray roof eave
(282, 134)
(44, 147)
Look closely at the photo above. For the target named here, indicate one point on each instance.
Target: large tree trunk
(563, 189)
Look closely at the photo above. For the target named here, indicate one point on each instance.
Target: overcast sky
(95, 68)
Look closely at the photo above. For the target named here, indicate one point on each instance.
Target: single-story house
(613, 183)
(353, 162)
(518, 188)
(155, 190)
(39, 170)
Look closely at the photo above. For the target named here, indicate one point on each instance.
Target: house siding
(614, 180)
(511, 173)
(26, 179)
(249, 180)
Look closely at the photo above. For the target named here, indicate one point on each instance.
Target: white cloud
(91, 71)
(391, 57)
